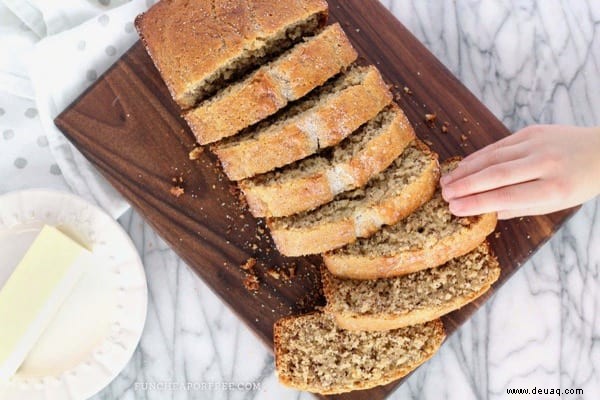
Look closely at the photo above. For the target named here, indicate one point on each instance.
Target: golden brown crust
(437, 339)
(374, 267)
(396, 208)
(190, 40)
(270, 88)
(278, 327)
(347, 112)
(320, 238)
(255, 99)
(322, 126)
(249, 158)
(306, 192)
(314, 62)
(315, 239)
(384, 322)
(382, 150)
(279, 200)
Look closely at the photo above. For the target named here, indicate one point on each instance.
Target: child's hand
(537, 170)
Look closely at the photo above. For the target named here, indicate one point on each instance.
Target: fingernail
(456, 208)
(445, 179)
(446, 193)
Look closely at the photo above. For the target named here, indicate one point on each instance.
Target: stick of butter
(34, 293)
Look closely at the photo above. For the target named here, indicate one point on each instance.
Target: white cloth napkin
(78, 41)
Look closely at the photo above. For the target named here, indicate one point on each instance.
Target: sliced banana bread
(387, 198)
(427, 238)
(316, 180)
(319, 121)
(295, 73)
(199, 46)
(391, 303)
(313, 354)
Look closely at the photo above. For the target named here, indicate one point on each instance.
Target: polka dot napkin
(64, 46)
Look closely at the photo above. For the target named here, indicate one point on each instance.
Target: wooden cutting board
(127, 125)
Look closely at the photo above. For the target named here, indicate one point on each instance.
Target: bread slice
(391, 303)
(387, 198)
(313, 354)
(316, 180)
(322, 120)
(287, 78)
(427, 238)
(199, 46)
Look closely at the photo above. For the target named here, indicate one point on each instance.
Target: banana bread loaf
(199, 46)
(427, 238)
(313, 354)
(387, 198)
(391, 303)
(320, 120)
(292, 75)
(316, 180)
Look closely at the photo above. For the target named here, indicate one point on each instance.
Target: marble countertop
(529, 62)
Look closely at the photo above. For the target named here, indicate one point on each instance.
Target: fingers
(510, 140)
(514, 197)
(511, 214)
(507, 149)
(492, 177)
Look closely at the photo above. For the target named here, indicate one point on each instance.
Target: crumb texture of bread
(313, 354)
(199, 46)
(391, 303)
(287, 78)
(387, 198)
(427, 238)
(318, 121)
(315, 181)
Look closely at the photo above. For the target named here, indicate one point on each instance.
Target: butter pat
(34, 293)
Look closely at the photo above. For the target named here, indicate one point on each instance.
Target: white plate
(98, 328)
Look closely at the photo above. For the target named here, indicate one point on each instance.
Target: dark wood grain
(127, 125)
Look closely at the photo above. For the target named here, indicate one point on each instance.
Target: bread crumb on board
(430, 117)
(249, 264)
(292, 272)
(251, 283)
(286, 272)
(273, 274)
(177, 191)
(407, 90)
(196, 153)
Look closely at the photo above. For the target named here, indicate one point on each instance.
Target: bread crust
(188, 43)
(271, 87)
(322, 126)
(386, 322)
(438, 338)
(404, 262)
(374, 267)
(383, 321)
(280, 200)
(310, 191)
(320, 238)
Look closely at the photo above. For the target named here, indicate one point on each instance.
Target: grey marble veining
(529, 62)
